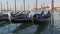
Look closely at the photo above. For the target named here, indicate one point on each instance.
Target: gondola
(13, 14)
(3, 17)
(20, 17)
(41, 18)
(15, 18)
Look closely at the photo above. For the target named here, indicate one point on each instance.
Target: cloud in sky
(31, 3)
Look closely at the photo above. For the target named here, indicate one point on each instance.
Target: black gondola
(19, 17)
(4, 17)
(15, 17)
(41, 18)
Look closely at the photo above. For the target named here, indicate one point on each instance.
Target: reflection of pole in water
(52, 16)
(41, 27)
(22, 27)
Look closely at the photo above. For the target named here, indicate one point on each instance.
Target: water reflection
(22, 26)
(41, 27)
(4, 23)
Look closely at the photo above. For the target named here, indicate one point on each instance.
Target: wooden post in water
(35, 11)
(36, 5)
(7, 6)
(4, 8)
(21, 7)
(28, 9)
(9, 15)
(24, 5)
(52, 16)
(15, 6)
(15, 9)
(28, 6)
(41, 6)
(1, 7)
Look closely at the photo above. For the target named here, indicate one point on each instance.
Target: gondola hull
(21, 20)
(4, 17)
(36, 21)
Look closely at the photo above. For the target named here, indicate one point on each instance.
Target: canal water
(29, 28)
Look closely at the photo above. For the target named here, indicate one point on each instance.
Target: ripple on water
(8, 28)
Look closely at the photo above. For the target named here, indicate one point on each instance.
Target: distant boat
(41, 18)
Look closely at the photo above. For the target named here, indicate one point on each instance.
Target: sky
(31, 3)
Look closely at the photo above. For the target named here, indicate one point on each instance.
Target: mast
(24, 5)
(1, 7)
